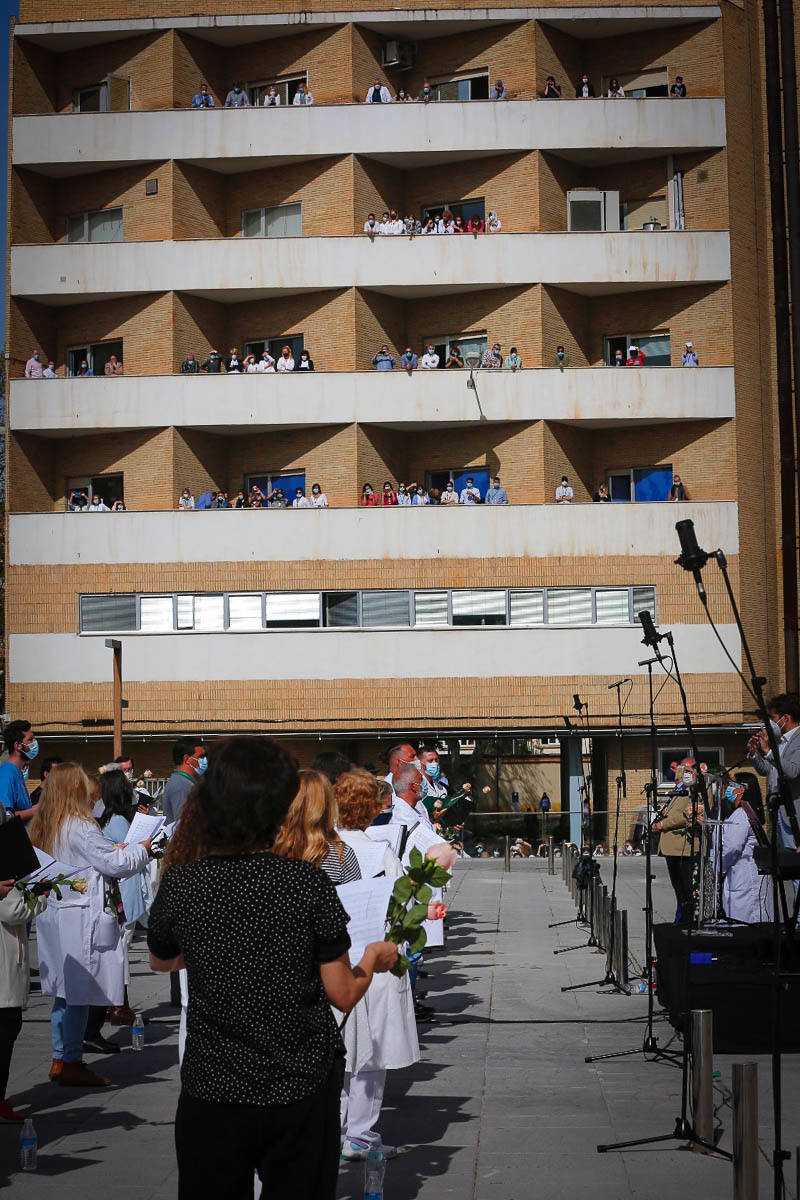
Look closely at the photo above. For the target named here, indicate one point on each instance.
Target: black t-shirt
(253, 930)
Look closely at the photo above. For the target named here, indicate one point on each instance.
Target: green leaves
(408, 906)
(403, 889)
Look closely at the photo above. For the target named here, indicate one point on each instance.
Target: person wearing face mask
(368, 497)
(98, 505)
(237, 97)
(125, 764)
(584, 90)
(272, 99)
(189, 757)
(784, 714)
(407, 806)
(437, 782)
(378, 94)
(50, 371)
(430, 359)
(403, 496)
(190, 366)
(318, 497)
(450, 495)
(677, 844)
(22, 747)
(186, 500)
(84, 371)
(389, 498)
(746, 895)
(240, 500)
(285, 362)
(409, 360)
(301, 96)
(560, 358)
(306, 361)
(213, 364)
(33, 367)
(619, 361)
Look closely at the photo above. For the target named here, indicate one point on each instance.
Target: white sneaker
(355, 1151)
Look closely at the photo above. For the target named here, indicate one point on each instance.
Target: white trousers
(362, 1097)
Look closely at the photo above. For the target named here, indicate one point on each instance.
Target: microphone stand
(585, 791)
(684, 1129)
(622, 793)
(650, 1043)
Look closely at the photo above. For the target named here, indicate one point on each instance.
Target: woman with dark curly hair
(264, 942)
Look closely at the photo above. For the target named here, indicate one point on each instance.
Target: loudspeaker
(731, 973)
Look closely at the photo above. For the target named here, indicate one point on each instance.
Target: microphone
(619, 683)
(568, 723)
(691, 558)
(577, 704)
(651, 635)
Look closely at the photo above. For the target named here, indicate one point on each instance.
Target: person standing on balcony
(318, 497)
(615, 90)
(409, 360)
(190, 366)
(403, 497)
(636, 357)
(476, 224)
(84, 370)
(383, 360)
(492, 360)
(233, 366)
(185, 500)
(33, 367)
(301, 500)
(98, 505)
(427, 94)
(368, 497)
(498, 92)
(50, 371)
(584, 90)
(378, 94)
(266, 364)
(272, 98)
(237, 97)
(601, 496)
(493, 225)
(455, 359)
(450, 495)
(301, 96)
(113, 366)
(678, 490)
(469, 493)
(560, 358)
(213, 364)
(552, 90)
(285, 362)
(512, 361)
(306, 361)
(689, 357)
(203, 98)
(430, 359)
(564, 493)
(496, 494)
(389, 498)
(678, 89)
(371, 226)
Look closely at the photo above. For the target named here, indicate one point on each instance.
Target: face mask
(315, 491)
(776, 729)
(402, 491)
(449, 487)
(36, 356)
(202, 766)
(416, 763)
(31, 750)
(367, 491)
(432, 770)
(237, 90)
(730, 793)
(687, 777)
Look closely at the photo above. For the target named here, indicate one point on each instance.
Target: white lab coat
(81, 956)
(746, 895)
(380, 1033)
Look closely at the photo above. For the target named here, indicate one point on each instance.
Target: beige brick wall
(324, 188)
(507, 183)
(505, 52)
(324, 318)
(144, 218)
(326, 454)
(510, 316)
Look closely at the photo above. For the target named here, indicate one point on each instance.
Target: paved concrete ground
(502, 1105)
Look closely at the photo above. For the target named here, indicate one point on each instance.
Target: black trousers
(10, 1025)
(294, 1147)
(680, 876)
(97, 1019)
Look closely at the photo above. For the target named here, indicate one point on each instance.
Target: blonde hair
(309, 829)
(66, 797)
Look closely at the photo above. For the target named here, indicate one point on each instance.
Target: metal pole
(702, 1089)
(621, 948)
(551, 856)
(115, 646)
(745, 1131)
(507, 862)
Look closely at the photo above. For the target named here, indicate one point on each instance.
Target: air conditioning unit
(398, 54)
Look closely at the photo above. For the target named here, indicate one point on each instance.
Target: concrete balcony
(597, 397)
(440, 655)
(516, 531)
(248, 268)
(403, 136)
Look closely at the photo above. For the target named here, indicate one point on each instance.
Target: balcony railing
(600, 396)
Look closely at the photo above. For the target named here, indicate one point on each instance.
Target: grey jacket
(790, 761)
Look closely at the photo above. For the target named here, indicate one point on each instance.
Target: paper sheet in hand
(49, 868)
(165, 832)
(421, 838)
(365, 903)
(143, 827)
(386, 833)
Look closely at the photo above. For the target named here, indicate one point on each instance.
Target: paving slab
(502, 1103)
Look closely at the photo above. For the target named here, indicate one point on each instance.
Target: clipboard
(17, 855)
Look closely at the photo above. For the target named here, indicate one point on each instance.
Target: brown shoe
(55, 1068)
(77, 1074)
(121, 1014)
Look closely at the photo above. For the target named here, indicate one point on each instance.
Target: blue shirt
(13, 793)
(496, 496)
(201, 100)
(409, 360)
(384, 362)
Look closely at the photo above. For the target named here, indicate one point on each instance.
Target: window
(636, 213)
(340, 609)
(371, 609)
(466, 209)
(430, 610)
(527, 607)
(267, 481)
(286, 88)
(283, 220)
(113, 94)
(96, 356)
(203, 613)
(569, 606)
(459, 476)
(645, 484)
(590, 211)
(466, 343)
(292, 610)
(274, 346)
(105, 225)
(655, 347)
(641, 84)
(156, 614)
(107, 487)
(476, 607)
(105, 614)
(389, 608)
(472, 87)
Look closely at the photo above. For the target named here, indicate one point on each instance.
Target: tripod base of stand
(682, 1132)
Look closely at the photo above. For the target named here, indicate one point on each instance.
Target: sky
(8, 8)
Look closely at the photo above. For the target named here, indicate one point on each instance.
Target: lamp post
(115, 645)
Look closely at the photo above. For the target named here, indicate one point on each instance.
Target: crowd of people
(254, 498)
(379, 93)
(279, 1009)
(393, 224)
(415, 494)
(249, 364)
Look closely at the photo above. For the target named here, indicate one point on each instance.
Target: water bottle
(374, 1170)
(640, 988)
(137, 1032)
(28, 1146)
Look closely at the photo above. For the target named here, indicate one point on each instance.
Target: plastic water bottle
(374, 1171)
(28, 1146)
(640, 989)
(137, 1032)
